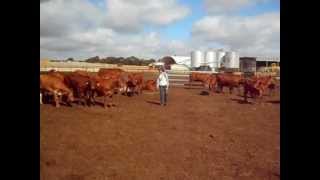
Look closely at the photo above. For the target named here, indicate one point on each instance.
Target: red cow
(110, 73)
(82, 86)
(229, 80)
(150, 85)
(116, 74)
(82, 73)
(256, 86)
(107, 88)
(211, 82)
(56, 74)
(202, 77)
(54, 85)
(135, 82)
(250, 87)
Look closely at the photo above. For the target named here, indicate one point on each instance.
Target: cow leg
(89, 97)
(93, 102)
(135, 91)
(111, 102)
(245, 94)
(56, 99)
(68, 100)
(271, 91)
(211, 89)
(221, 89)
(260, 96)
(82, 100)
(104, 101)
(41, 98)
(78, 96)
(239, 90)
(218, 89)
(126, 90)
(230, 89)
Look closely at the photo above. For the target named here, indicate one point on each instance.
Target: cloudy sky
(156, 28)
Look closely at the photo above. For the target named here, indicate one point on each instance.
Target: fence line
(90, 69)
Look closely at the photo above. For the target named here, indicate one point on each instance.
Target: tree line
(117, 60)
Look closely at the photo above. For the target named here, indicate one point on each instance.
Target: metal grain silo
(196, 58)
(220, 55)
(231, 60)
(211, 59)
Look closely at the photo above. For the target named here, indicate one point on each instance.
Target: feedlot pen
(181, 79)
(194, 137)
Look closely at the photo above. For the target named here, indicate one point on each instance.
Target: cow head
(133, 81)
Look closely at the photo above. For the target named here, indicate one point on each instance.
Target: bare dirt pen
(195, 137)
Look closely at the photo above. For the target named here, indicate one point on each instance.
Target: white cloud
(126, 15)
(253, 35)
(106, 42)
(61, 17)
(80, 29)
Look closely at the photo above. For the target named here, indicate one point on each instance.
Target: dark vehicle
(167, 66)
(248, 65)
(204, 68)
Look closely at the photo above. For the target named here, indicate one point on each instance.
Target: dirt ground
(195, 137)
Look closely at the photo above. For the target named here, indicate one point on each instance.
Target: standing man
(163, 85)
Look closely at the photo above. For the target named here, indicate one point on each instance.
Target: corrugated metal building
(253, 64)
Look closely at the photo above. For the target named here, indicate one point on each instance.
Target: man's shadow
(241, 101)
(153, 102)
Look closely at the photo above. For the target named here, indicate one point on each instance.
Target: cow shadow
(47, 101)
(101, 104)
(193, 87)
(204, 93)
(153, 102)
(61, 104)
(241, 101)
(97, 103)
(274, 102)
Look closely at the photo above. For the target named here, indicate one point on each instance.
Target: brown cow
(56, 74)
(266, 83)
(135, 82)
(256, 86)
(270, 83)
(150, 85)
(229, 80)
(251, 87)
(211, 82)
(110, 73)
(107, 88)
(82, 86)
(116, 74)
(202, 77)
(54, 85)
(82, 73)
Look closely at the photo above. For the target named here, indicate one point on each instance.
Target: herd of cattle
(254, 86)
(83, 87)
